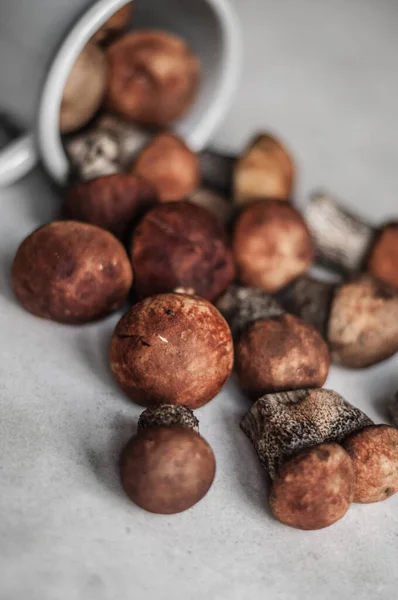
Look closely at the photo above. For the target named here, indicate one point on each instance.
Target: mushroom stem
(309, 299)
(242, 306)
(217, 171)
(341, 239)
(281, 425)
(168, 415)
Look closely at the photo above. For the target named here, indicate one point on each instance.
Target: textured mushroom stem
(281, 425)
(168, 415)
(242, 306)
(217, 171)
(131, 138)
(342, 241)
(311, 300)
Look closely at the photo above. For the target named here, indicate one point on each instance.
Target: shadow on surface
(103, 461)
(249, 474)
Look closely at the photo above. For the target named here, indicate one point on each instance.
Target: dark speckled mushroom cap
(168, 415)
(280, 425)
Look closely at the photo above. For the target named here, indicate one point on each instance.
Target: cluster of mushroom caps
(214, 260)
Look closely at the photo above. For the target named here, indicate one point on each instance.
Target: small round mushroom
(374, 454)
(153, 78)
(266, 170)
(358, 318)
(172, 348)
(170, 166)
(71, 272)
(112, 202)
(274, 351)
(115, 25)
(84, 90)
(271, 245)
(295, 435)
(363, 323)
(314, 489)
(181, 246)
(167, 467)
(383, 259)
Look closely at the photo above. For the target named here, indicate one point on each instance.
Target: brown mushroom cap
(266, 170)
(271, 245)
(111, 202)
(314, 489)
(383, 258)
(116, 24)
(84, 89)
(172, 349)
(180, 245)
(170, 166)
(153, 77)
(374, 453)
(363, 323)
(167, 470)
(71, 272)
(281, 353)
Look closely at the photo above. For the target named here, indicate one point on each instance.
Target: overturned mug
(40, 41)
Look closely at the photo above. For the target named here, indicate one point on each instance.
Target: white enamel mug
(41, 39)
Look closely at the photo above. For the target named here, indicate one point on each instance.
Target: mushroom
(181, 246)
(153, 77)
(167, 467)
(296, 437)
(111, 202)
(271, 245)
(71, 272)
(374, 453)
(84, 90)
(108, 147)
(115, 26)
(173, 349)
(170, 166)
(274, 351)
(265, 170)
(358, 318)
(348, 244)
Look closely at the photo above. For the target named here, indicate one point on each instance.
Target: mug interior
(209, 27)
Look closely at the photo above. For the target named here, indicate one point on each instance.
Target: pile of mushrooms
(210, 259)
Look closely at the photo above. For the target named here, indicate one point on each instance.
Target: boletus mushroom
(274, 350)
(172, 349)
(167, 467)
(358, 318)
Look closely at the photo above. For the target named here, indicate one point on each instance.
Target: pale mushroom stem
(342, 240)
(309, 299)
(242, 306)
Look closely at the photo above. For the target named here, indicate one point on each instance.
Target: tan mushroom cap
(314, 489)
(166, 470)
(363, 323)
(374, 453)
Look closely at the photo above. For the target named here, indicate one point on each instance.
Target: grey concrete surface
(323, 75)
